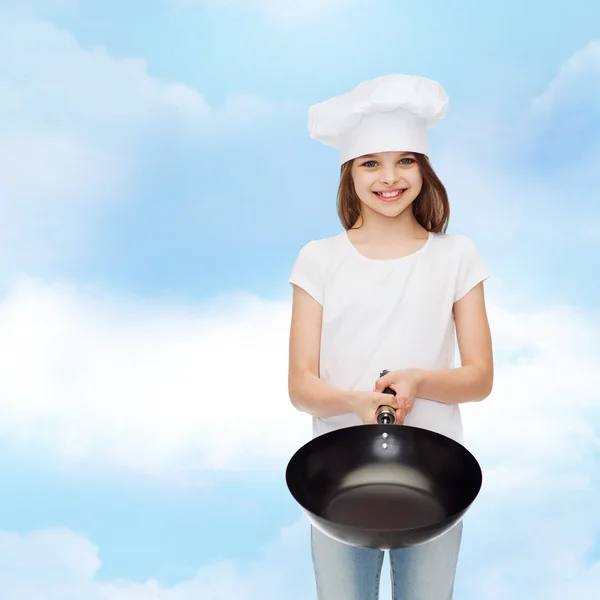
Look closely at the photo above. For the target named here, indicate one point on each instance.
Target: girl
(390, 292)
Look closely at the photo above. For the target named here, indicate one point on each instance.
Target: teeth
(389, 194)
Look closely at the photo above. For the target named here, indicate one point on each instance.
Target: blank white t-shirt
(388, 314)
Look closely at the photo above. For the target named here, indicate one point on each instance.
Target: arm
(473, 380)
(307, 392)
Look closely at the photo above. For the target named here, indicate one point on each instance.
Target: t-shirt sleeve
(306, 272)
(472, 269)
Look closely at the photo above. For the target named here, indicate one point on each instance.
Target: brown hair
(431, 207)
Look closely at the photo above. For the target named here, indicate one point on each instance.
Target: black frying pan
(383, 486)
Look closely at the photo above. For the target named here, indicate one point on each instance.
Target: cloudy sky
(156, 184)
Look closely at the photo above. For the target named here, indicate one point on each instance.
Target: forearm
(309, 394)
(455, 386)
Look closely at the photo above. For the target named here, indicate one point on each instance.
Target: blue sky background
(156, 183)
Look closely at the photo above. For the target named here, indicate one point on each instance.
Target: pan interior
(384, 496)
(383, 478)
(384, 506)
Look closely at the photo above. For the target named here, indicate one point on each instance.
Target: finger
(387, 388)
(400, 416)
(392, 401)
(383, 382)
(380, 398)
(402, 400)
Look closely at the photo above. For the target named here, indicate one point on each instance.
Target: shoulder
(323, 246)
(454, 241)
(455, 246)
(313, 264)
(461, 261)
(321, 251)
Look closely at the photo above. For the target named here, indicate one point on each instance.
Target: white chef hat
(390, 113)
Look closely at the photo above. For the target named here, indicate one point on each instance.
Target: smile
(390, 195)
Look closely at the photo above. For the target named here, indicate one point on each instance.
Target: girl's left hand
(405, 383)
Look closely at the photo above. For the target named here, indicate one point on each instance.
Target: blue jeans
(424, 572)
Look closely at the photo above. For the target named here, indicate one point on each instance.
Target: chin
(391, 210)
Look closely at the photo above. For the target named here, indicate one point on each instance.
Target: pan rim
(454, 517)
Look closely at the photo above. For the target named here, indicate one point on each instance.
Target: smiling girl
(393, 291)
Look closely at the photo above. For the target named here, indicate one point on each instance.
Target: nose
(389, 175)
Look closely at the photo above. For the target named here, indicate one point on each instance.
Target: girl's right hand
(365, 405)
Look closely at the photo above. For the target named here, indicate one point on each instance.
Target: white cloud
(44, 558)
(565, 120)
(49, 77)
(63, 565)
(530, 555)
(576, 83)
(73, 123)
(50, 81)
(167, 388)
(52, 185)
(489, 162)
(120, 383)
(282, 11)
(145, 386)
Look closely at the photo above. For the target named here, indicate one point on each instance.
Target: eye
(369, 163)
(411, 160)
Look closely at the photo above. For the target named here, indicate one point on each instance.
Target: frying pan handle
(386, 415)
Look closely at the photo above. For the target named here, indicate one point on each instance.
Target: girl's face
(388, 182)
